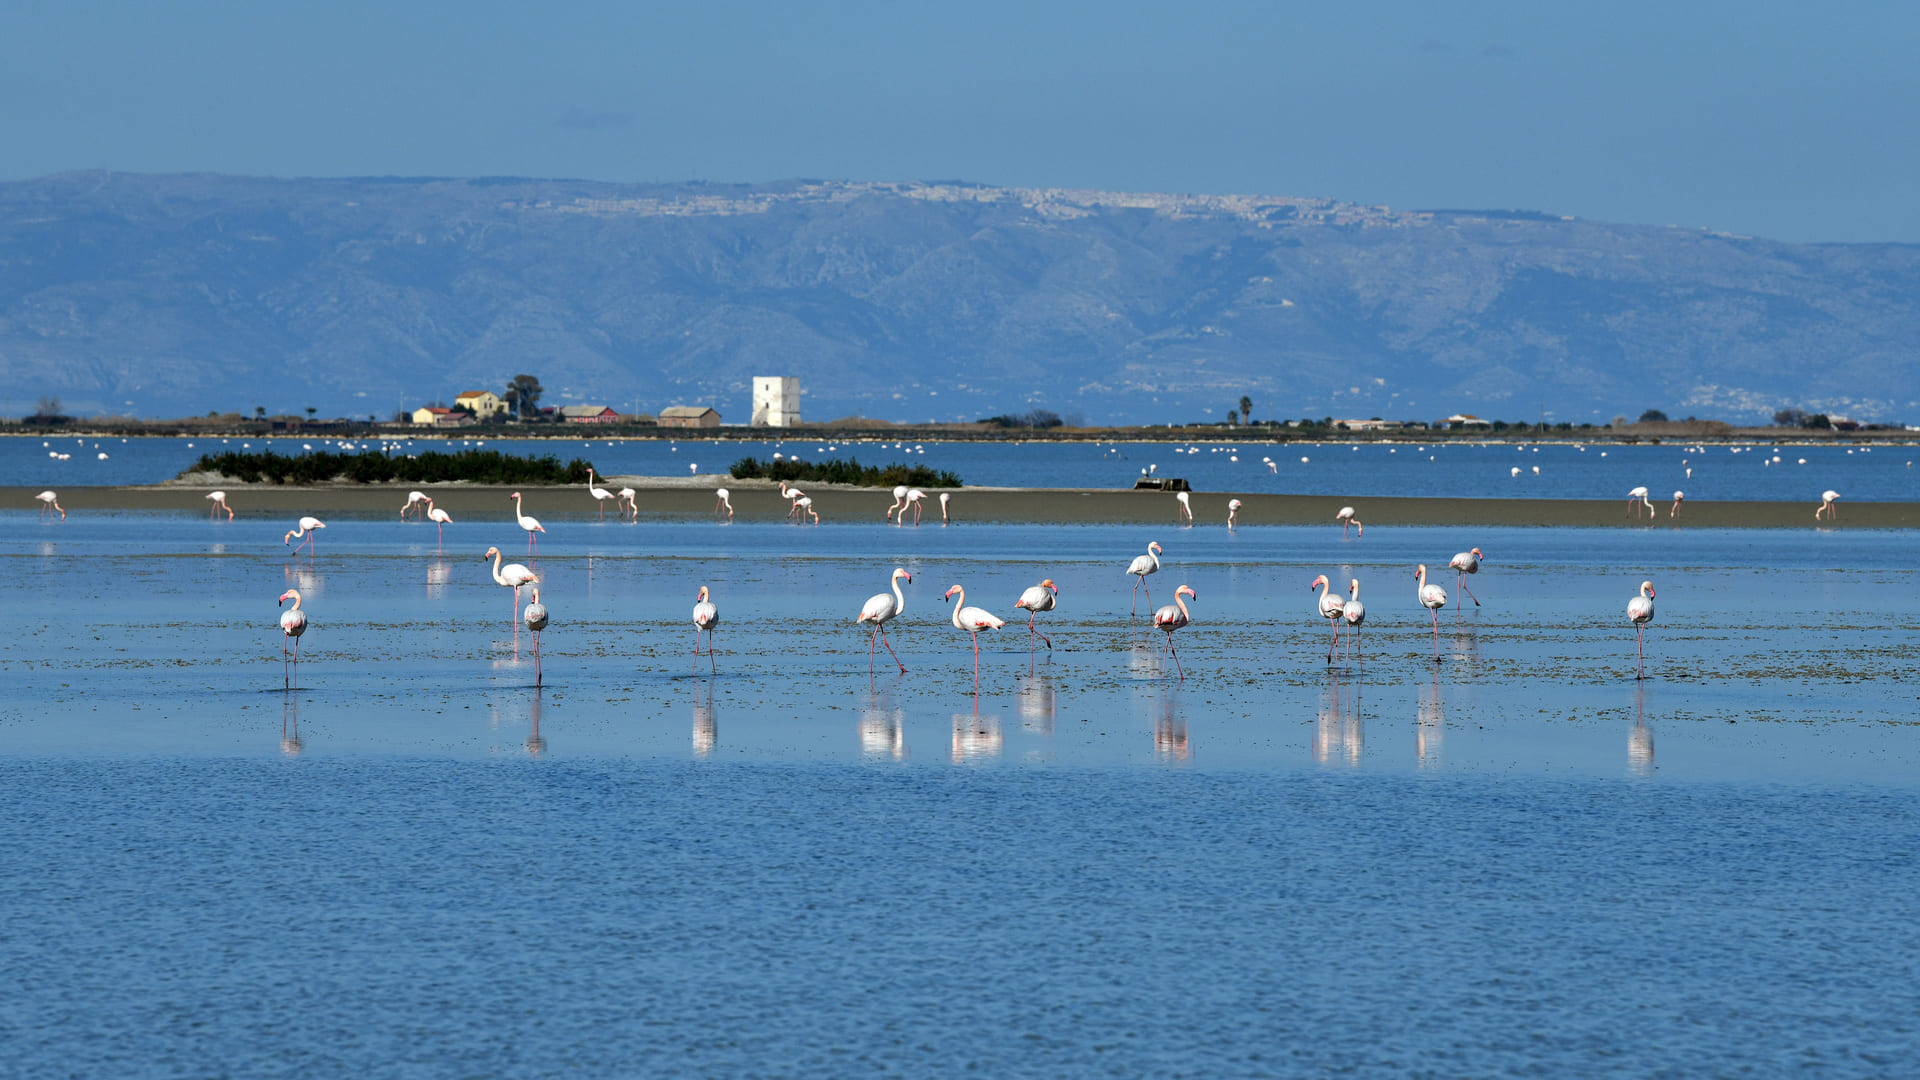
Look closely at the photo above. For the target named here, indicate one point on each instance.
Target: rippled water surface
(1517, 860)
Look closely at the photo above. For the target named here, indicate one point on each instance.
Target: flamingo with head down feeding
(899, 501)
(944, 497)
(973, 620)
(629, 505)
(914, 497)
(723, 500)
(293, 623)
(881, 610)
(793, 495)
(1173, 617)
(305, 528)
(1233, 512)
(536, 619)
(1829, 506)
(513, 576)
(804, 504)
(218, 503)
(49, 502)
(1433, 598)
(1330, 609)
(1185, 512)
(705, 617)
(1678, 498)
(1640, 613)
(1638, 498)
(1345, 518)
(417, 502)
(1142, 566)
(532, 526)
(1041, 597)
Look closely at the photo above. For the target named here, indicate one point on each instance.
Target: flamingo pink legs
(1175, 653)
(1033, 632)
(1140, 582)
(880, 636)
(710, 659)
(289, 669)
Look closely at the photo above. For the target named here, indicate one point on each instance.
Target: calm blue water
(1518, 861)
(1861, 474)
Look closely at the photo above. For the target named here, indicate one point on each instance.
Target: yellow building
(484, 403)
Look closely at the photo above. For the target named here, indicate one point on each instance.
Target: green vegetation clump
(843, 472)
(432, 467)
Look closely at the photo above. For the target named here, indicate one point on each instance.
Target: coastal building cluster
(776, 403)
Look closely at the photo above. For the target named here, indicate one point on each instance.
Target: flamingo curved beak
(950, 593)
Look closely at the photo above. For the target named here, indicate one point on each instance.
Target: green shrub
(843, 472)
(432, 467)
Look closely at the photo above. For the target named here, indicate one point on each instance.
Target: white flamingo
(705, 617)
(293, 623)
(441, 519)
(914, 495)
(1640, 613)
(1433, 598)
(49, 502)
(1829, 506)
(304, 529)
(881, 610)
(944, 497)
(513, 576)
(1041, 597)
(1330, 607)
(899, 501)
(415, 503)
(1186, 507)
(1638, 498)
(1142, 566)
(972, 620)
(793, 495)
(1678, 498)
(1344, 517)
(531, 525)
(217, 503)
(1233, 512)
(804, 504)
(1355, 613)
(723, 500)
(600, 495)
(536, 620)
(1173, 617)
(632, 504)
(1467, 562)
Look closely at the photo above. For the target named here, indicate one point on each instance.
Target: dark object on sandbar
(1149, 483)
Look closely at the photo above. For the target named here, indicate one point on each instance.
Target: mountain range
(165, 295)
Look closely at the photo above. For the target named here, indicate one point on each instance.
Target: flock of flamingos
(1346, 612)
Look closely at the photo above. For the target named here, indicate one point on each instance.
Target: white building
(776, 401)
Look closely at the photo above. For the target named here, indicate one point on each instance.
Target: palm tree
(1246, 408)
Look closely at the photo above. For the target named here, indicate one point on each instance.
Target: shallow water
(1517, 860)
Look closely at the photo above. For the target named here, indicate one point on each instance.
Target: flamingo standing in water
(1829, 506)
(1185, 512)
(417, 502)
(632, 505)
(1330, 609)
(804, 504)
(1345, 518)
(899, 501)
(532, 526)
(881, 610)
(1433, 598)
(944, 497)
(1640, 613)
(1678, 498)
(914, 495)
(218, 503)
(723, 500)
(536, 619)
(1467, 562)
(600, 494)
(514, 576)
(1140, 568)
(1233, 512)
(705, 617)
(1041, 597)
(1173, 617)
(1638, 498)
(49, 502)
(440, 518)
(293, 623)
(305, 528)
(973, 620)
(1355, 613)
(793, 496)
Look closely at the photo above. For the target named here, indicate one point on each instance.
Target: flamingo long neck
(1184, 614)
(899, 598)
(1155, 556)
(1420, 587)
(296, 602)
(1326, 590)
(960, 601)
(497, 579)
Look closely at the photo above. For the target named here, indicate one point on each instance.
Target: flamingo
(1433, 598)
(1140, 568)
(1186, 507)
(705, 617)
(1233, 512)
(1355, 613)
(1678, 498)
(414, 499)
(1467, 562)
(513, 576)
(600, 494)
(536, 619)
(532, 525)
(881, 610)
(1640, 613)
(218, 503)
(293, 623)
(305, 528)
(793, 495)
(723, 500)
(899, 500)
(631, 505)
(1041, 597)
(1344, 517)
(49, 502)
(944, 496)
(914, 495)
(804, 504)
(440, 519)
(1171, 618)
(1330, 610)
(1638, 498)
(972, 620)
(1828, 507)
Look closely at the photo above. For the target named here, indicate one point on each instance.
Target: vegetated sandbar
(687, 497)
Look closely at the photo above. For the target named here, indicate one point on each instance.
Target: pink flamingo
(1171, 618)
(1185, 513)
(531, 525)
(914, 496)
(793, 495)
(1678, 498)
(1345, 518)
(293, 623)
(414, 502)
(218, 503)
(881, 610)
(1640, 613)
(600, 494)
(49, 502)
(899, 501)
(705, 617)
(973, 620)
(723, 500)
(1041, 597)
(805, 505)
(944, 496)
(1142, 566)
(1233, 513)
(536, 618)
(305, 528)
(440, 518)
(1330, 606)
(1433, 598)
(514, 576)
(1467, 562)
(1638, 498)
(1829, 506)
(1355, 613)
(630, 507)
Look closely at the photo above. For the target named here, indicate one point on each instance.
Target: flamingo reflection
(976, 737)
(1337, 734)
(706, 721)
(1640, 737)
(1038, 702)
(439, 576)
(883, 730)
(1170, 742)
(290, 743)
(1430, 730)
(535, 744)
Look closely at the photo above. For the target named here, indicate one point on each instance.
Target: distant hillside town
(776, 404)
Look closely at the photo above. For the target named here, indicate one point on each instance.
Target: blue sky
(1789, 121)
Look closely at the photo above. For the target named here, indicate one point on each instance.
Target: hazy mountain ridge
(916, 301)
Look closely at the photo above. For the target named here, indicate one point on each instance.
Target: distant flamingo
(944, 497)
(1330, 609)
(804, 504)
(631, 504)
(881, 610)
(1140, 568)
(1678, 498)
(414, 504)
(49, 502)
(1041, 597)
(441, 519)
(1186, 507)
(705, 617)
(536, 619)
(1171, 618)
(305, 528)
(914, 495)
(1640, 613)
(531, 525)
(723, 500)
(1829, 506)
(793, 495)
(973, 620)
(1355, 613)
(1638, 498)
(899, 501)
(1433, 598)
(1344, 517)
(1467, 562)
(514, 576)
(218, 503)
(600, 495)
(1233, 512)
(293, 623)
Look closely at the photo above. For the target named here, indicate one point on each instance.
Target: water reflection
(1640, 736)
(535, 744)
(1143, 658)
(706, 721)
(439, 575)
(976, 737)
(1337, 734)
(883, 731)
(47, 551)
(1170, 742)
(1038, 702)
(290, 743)
(1430, 729)
(305, 578)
